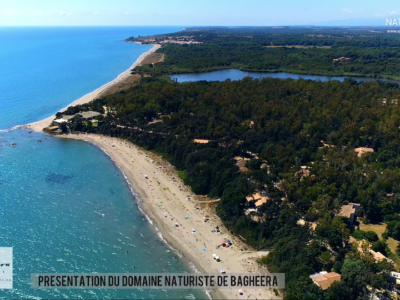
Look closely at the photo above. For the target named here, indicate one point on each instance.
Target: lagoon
(234, 74)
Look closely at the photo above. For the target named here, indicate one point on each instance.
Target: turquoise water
(43, 69)
(65, 207)
(234, 74)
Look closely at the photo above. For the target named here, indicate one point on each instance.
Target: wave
(159, 234)
(13, 128)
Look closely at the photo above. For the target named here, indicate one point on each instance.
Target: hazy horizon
(205, 13)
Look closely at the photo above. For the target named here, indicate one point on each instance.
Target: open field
(378, 228)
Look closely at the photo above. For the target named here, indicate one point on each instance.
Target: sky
(196, 13)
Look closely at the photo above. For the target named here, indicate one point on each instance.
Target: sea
(64, 205)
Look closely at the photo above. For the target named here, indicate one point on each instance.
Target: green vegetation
(291, 118)
(300, 136)
(371, 53)
(370, 236)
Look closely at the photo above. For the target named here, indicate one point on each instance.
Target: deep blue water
(65, 207)
(234, 74)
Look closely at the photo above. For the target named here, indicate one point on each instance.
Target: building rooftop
(324, 280)
(349, 209)
(199, 141)
(360, 151)
(262, 201)
(257, 196)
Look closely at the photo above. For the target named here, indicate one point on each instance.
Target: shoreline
(164, 185)
(39, 125)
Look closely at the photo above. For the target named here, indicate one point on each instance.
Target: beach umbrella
(222, 271)
(214, 255)
(204, 249)
(217, 257)
(240, 292)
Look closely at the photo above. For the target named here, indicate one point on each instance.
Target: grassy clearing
(378, 228)
(392, 244)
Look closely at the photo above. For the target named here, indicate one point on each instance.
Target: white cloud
(127, 13)
(346, 10)
(37, 13)
(65, 13)
(11, 11)
(393, 13)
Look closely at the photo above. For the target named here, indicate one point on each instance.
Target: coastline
(39, 125)
(162, 198)
(164, 185)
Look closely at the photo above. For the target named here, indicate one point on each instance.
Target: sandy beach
(39, 125)
(167, 201)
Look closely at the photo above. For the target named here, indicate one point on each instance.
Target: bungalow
(53, 128)
(64, 119)
(395, 278)
(249, 198)
(342, 59)
(260, 200)
(86, 116)
(350, 211)
(199, 141)
(324, 279)
(360, 151)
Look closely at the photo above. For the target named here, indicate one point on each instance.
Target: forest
(298, 139)
(372, 53)
(296, 123)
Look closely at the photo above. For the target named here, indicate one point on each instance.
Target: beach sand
(39, 125)
(164, 197)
